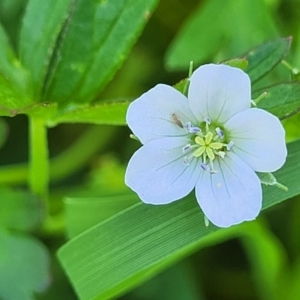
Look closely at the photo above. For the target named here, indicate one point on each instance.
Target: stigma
(207, 144)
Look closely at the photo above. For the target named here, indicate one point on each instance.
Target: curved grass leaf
(282, 100)
(42, 24)
(83, 213)
(92, 51)
(24, 267)
(127, 249)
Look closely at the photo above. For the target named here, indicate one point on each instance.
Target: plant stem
(39, 160)
(73, 158)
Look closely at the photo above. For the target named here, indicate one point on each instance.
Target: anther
(230, 145)
(207, 120)
(186, 161)
(220, 133)
(186, 148)
(204, 166)
(221, 154)
(194, 129)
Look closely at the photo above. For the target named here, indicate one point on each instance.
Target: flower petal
(158, 113)
(258, 138)
(230, 196)
(219, 92)
(157, 172)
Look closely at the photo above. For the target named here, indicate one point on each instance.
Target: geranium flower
(212, 141)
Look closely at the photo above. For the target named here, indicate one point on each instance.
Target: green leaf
(265, 57)
(201, 38)
(92, 51)
(19, 210)
(240, 62)
(83, 213)
(139, 242)
(24, 265)
(3, 132)
(101, 114)
(15, 88)
(282, 100)
(42, 25)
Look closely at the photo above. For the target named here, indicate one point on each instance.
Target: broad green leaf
(15, 89)
(282, 100)
(265, 57)
(92, 51)
(83, 213)
(101, 114)
(19, 210)
(24, 265)
(42, 25)
(235, 27)
(139, 242)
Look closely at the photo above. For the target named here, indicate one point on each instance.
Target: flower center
(207, 144)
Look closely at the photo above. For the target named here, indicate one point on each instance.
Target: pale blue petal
(259, 139)
(158, 174)
(230, 196)
(219, 92)
(157, 113)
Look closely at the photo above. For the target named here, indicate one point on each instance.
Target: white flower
(212, 141)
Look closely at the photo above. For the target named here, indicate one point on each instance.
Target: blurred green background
(178, 31)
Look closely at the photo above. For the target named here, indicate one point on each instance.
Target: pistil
(207, 146)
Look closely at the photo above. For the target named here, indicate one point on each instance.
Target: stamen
(220, 133)
(186, 148)
(221, 154)
(192, 129)
(186, 161)
(230, 145)
(204, 166)
(207, 120)
(212, 170)
(188, 125)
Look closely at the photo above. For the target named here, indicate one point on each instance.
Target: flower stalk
(39, 160)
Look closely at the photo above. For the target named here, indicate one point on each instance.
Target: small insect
(176, 120)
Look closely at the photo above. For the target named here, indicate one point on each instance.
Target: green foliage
(220, 29)
(282, 100)
(14, 81)
(155, 236)
(265, 57)
(83, 71)
(20, 255)
(19, 210)
(56, 60)
(83, 213)
(42, 24)
(101, 114)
